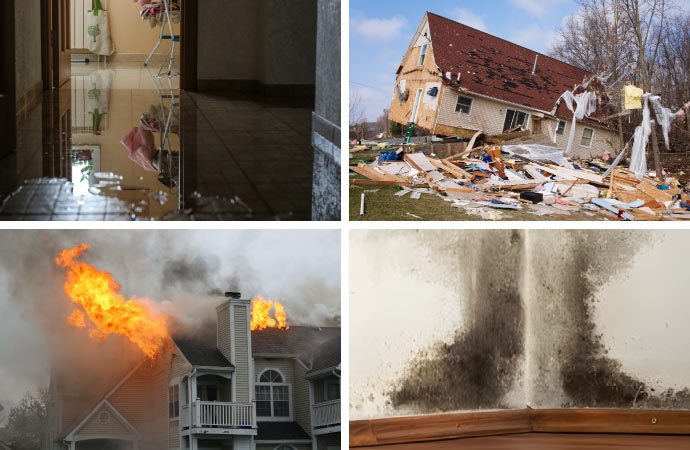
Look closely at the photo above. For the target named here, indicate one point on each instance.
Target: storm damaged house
(455, 80)
(235, 388)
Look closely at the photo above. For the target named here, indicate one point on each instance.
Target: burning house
(255, 383)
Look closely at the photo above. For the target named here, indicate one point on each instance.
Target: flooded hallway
(171, 110)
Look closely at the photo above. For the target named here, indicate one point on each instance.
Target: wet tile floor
(224, 157)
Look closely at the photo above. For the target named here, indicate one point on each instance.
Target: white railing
(326, 414)
(218, 414)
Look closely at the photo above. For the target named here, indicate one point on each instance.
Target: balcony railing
(218, 415)
(326, 414)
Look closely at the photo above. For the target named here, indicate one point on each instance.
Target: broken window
(464, 105)
(587, 134)
(422, 55)
(272, 395)
(174, 401)
(514, 119)
(560, 131)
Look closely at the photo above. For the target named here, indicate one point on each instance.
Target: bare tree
(382, 123)
(356, 109)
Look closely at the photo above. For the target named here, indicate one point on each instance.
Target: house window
(464, 105)
(422, 55)
(560, 131)
(174, 401)
(331, 390)
(587, 134)
(514, 119)
(272, 395)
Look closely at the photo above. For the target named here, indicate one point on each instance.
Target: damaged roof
(326, 356)
(492, 66)
(299, 341)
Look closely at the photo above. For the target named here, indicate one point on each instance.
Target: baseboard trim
(28, 101)
(134, 58)
(399, 430)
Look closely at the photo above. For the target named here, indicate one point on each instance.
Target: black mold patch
(481, 365)
(589, 377)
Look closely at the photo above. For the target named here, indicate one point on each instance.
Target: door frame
(8, 115)
(189, 36)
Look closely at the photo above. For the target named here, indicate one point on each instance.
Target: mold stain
(568, 363)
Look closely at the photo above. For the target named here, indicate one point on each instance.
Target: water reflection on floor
(125, 144)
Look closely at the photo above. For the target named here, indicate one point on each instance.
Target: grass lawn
(384, 205)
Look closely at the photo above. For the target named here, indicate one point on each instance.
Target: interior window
(422, 55)
(587, 134)
(514, 119)
(560, 131)
(463, 105)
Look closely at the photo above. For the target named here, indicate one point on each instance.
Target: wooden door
(57, 134)
(60, 41)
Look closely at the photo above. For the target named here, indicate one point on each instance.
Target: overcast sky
(177, 269)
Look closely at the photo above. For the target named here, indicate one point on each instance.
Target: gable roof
(326, 356)
(497, 68)
(280, 431)
(202, 351)
(4, 446)
(301, 342)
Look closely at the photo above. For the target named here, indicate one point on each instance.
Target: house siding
(302, 408)
(174, 434)
(223, 333)
(414, 77)
(604, 140)
(285, 366)
(93, 427)
(130, 398)
(485, 115)
(241, 374)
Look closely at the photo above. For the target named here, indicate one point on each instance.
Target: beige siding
(286, 367)
(241, 343)
(603, 139)
(485, 115)
(224, 341)
(174, 434)
(416, 77)
(113, 427)
(300, 392)
(131, 398)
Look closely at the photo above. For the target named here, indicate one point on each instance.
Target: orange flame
(107, 310)
(261, 318)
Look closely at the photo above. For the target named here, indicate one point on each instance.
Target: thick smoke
(182, 274)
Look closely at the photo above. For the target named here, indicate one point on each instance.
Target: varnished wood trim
(627, 421)
(189, 36)
(438, 426)
(398, 430)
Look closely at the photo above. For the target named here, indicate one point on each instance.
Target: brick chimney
(234, 340)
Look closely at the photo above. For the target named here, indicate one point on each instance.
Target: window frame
(326, 383)
(422, 54)
(271, 385)
(457, 103)
(558, 127)
(591, 137)
(525, 125)
(174, 405)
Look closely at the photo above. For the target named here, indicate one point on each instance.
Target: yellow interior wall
(131, 34)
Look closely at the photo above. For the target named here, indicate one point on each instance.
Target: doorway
(7, 79)
(56, 44)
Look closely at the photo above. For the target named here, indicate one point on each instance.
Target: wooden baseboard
(398, 430)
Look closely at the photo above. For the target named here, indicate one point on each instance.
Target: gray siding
(224, 341)
(241, 331)
(300, 392)
(174, 434)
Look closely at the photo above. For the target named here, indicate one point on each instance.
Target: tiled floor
(233, 157)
